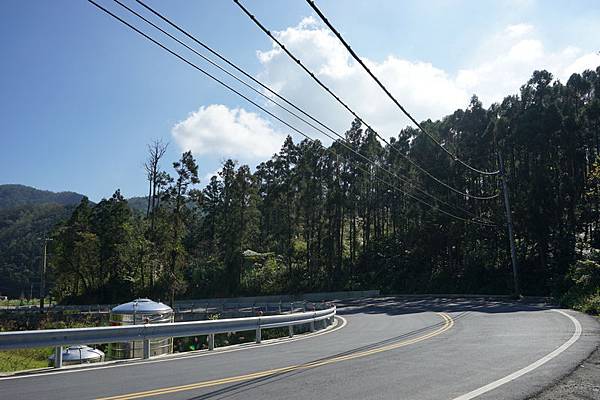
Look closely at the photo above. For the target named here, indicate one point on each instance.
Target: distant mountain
(19, 195)
(138, 203)
(22, 229)
(27, 215)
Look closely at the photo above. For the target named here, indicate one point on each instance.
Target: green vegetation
(185, 344)
(19, 302)
(309, 220)
(584, 294)
(23, 359)
(21, 228)
(18, 195)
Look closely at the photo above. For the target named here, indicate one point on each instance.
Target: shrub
(584, 293)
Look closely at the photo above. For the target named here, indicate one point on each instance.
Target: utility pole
(509, 224)
(43, 276)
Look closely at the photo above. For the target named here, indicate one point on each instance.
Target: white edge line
(185, 356)
(530, 367)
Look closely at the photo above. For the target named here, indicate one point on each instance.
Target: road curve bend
(383, 348)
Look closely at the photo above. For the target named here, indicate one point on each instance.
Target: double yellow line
(448, 323)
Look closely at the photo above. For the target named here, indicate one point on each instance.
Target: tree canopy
(316, 217)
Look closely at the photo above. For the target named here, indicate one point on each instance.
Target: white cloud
(504, 61)
(428, 90)
(586, 61)
(518, 30)
(207, 177)
(219, 130)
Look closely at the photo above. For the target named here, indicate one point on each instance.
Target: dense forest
(26, 217)
(316, 218)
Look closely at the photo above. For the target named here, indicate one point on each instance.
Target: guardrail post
(58, 361)
(40, 338)
(146, 345)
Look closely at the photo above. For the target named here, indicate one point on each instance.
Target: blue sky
(82, 95)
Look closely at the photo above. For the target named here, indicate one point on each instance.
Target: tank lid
(76, 353)
(142, 306)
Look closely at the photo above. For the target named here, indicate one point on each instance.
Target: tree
(156, 178)
(179, 194)
(322, 217)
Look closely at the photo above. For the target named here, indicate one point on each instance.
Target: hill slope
(26, 215)
(21, 230)
(18, 195)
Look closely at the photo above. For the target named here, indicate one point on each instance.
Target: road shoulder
(581, 383)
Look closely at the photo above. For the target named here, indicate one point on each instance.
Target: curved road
(382, 348)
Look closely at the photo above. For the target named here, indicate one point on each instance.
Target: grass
(22, 359)
(24, 302)
(19, 302)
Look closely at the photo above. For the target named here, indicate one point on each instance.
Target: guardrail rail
(58, 338)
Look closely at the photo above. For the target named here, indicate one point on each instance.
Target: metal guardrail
(114, 334)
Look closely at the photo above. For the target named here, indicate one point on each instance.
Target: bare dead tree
(156, 151)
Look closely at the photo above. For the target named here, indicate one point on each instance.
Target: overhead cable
(350, 110)
(195, 66)
(404, 180)
(387, 92)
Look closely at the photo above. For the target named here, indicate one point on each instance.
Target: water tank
(79, 355)
(137, 312)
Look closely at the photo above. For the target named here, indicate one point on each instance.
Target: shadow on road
(410, 305)
(258, 382)
(462, 307)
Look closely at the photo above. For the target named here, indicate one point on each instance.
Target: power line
(487, 224)
(172, 52)
(228, 62)
(414, 121)
(341, 102)
(405, 180)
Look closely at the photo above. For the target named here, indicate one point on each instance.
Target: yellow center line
(448, 323)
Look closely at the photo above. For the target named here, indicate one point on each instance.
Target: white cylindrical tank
(79, 355)
(137, 312)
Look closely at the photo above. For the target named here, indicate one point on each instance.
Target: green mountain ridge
(27, 215)
(14, 195)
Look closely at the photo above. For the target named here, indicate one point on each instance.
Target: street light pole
(43, 276)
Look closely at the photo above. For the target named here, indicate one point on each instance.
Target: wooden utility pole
(509, 224)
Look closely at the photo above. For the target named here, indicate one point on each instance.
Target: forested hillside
(27, 215)
(326, 219)
(18, 195)
(22, 229)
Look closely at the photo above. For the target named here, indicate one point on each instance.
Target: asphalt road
(381, 349)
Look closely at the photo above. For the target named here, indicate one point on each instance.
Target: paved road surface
(382, 349)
